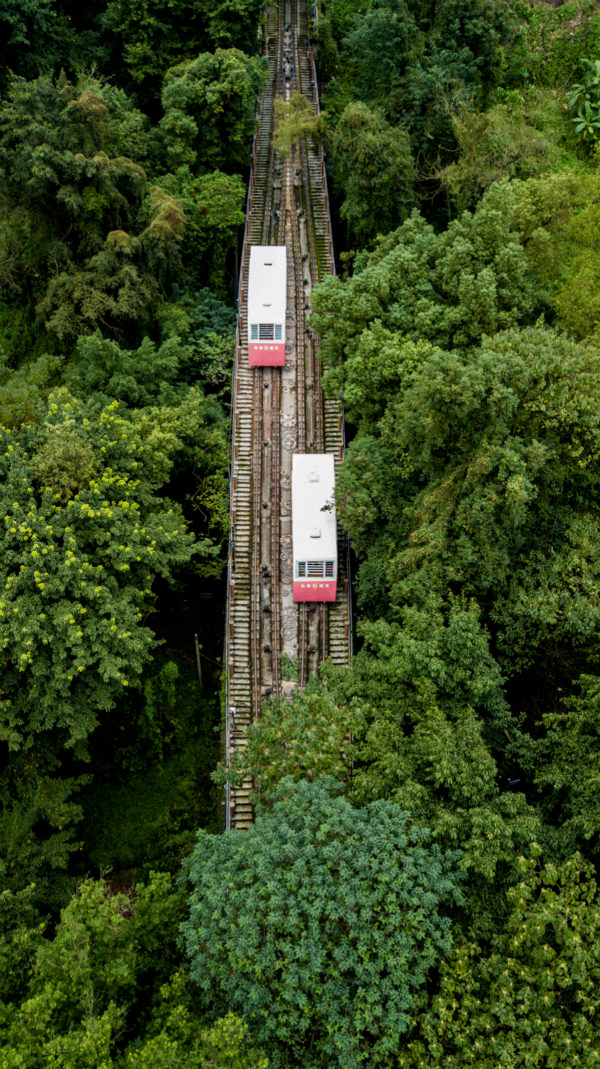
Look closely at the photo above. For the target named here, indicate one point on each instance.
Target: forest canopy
(419, 888)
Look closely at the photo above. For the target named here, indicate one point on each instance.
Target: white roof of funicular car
(313, 510)
(267, 284)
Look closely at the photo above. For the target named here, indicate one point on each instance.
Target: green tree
(208, 325)
(25, 32)
(418, 719)
(566, 765)
(102, 369)
(549, 45)
(377, 50)
(84, 534)
(506, 141)
(88, 242)
(374, 168)
(479, 504)
(296, 118)
(435, 713)
(585, 99)
(118, 288)
(308, 734)
(468, 35)
(106, 988)
(70, 154)
(107, 292)
(488, 485)
(209, 105)
(23, 392)
(418, 64)
(422, 287)
(531, 999)
(558, 216)
(154, 37)
(39, 814)
(320, 924)
(84, 988)
(182, 1043)
(213, 210)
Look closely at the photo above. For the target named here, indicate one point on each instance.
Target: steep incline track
(278, 412)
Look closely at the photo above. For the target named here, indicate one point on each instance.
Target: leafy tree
(69, 154)
(308, 734)
(117, 288)
(87, 240)
(208, 315)
(151, 39)
(485, 492)
(505, 510)
(86, 986)
(209, 105)
(468, 35)
(327, 57)
(417, 719)
(107, 292)
(209, 331)
(331, 921)
(296, 118)
(585, 97)
(154, 37)
(550, 45)
(107, 988)
(342, 15)
(502, 142)
(25, 31)
(376, 52)
(211, 361)
(39, 816)
(431, 93)
(20, 933)
(224, 1045)
(532, 998)
(418, 64)
(84, 534)
(436, 715)
(23, 392)
(421, 287)
(558, 216)
(566, 764)
(102, 369)
(213, 210)
(374, 167)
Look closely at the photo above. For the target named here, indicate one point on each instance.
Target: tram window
(265, 331)
(315, 569)
(301, 569)
(278, 332)
(254, 332)
(329, 569)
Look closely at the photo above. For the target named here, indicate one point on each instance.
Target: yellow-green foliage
(532, 998)
(559, 217)
(520, 138)
(83, 535)
(551, 41)
(296, 118)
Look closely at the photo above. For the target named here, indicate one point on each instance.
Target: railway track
(278, 412)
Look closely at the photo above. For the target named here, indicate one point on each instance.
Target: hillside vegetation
(420, 886)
